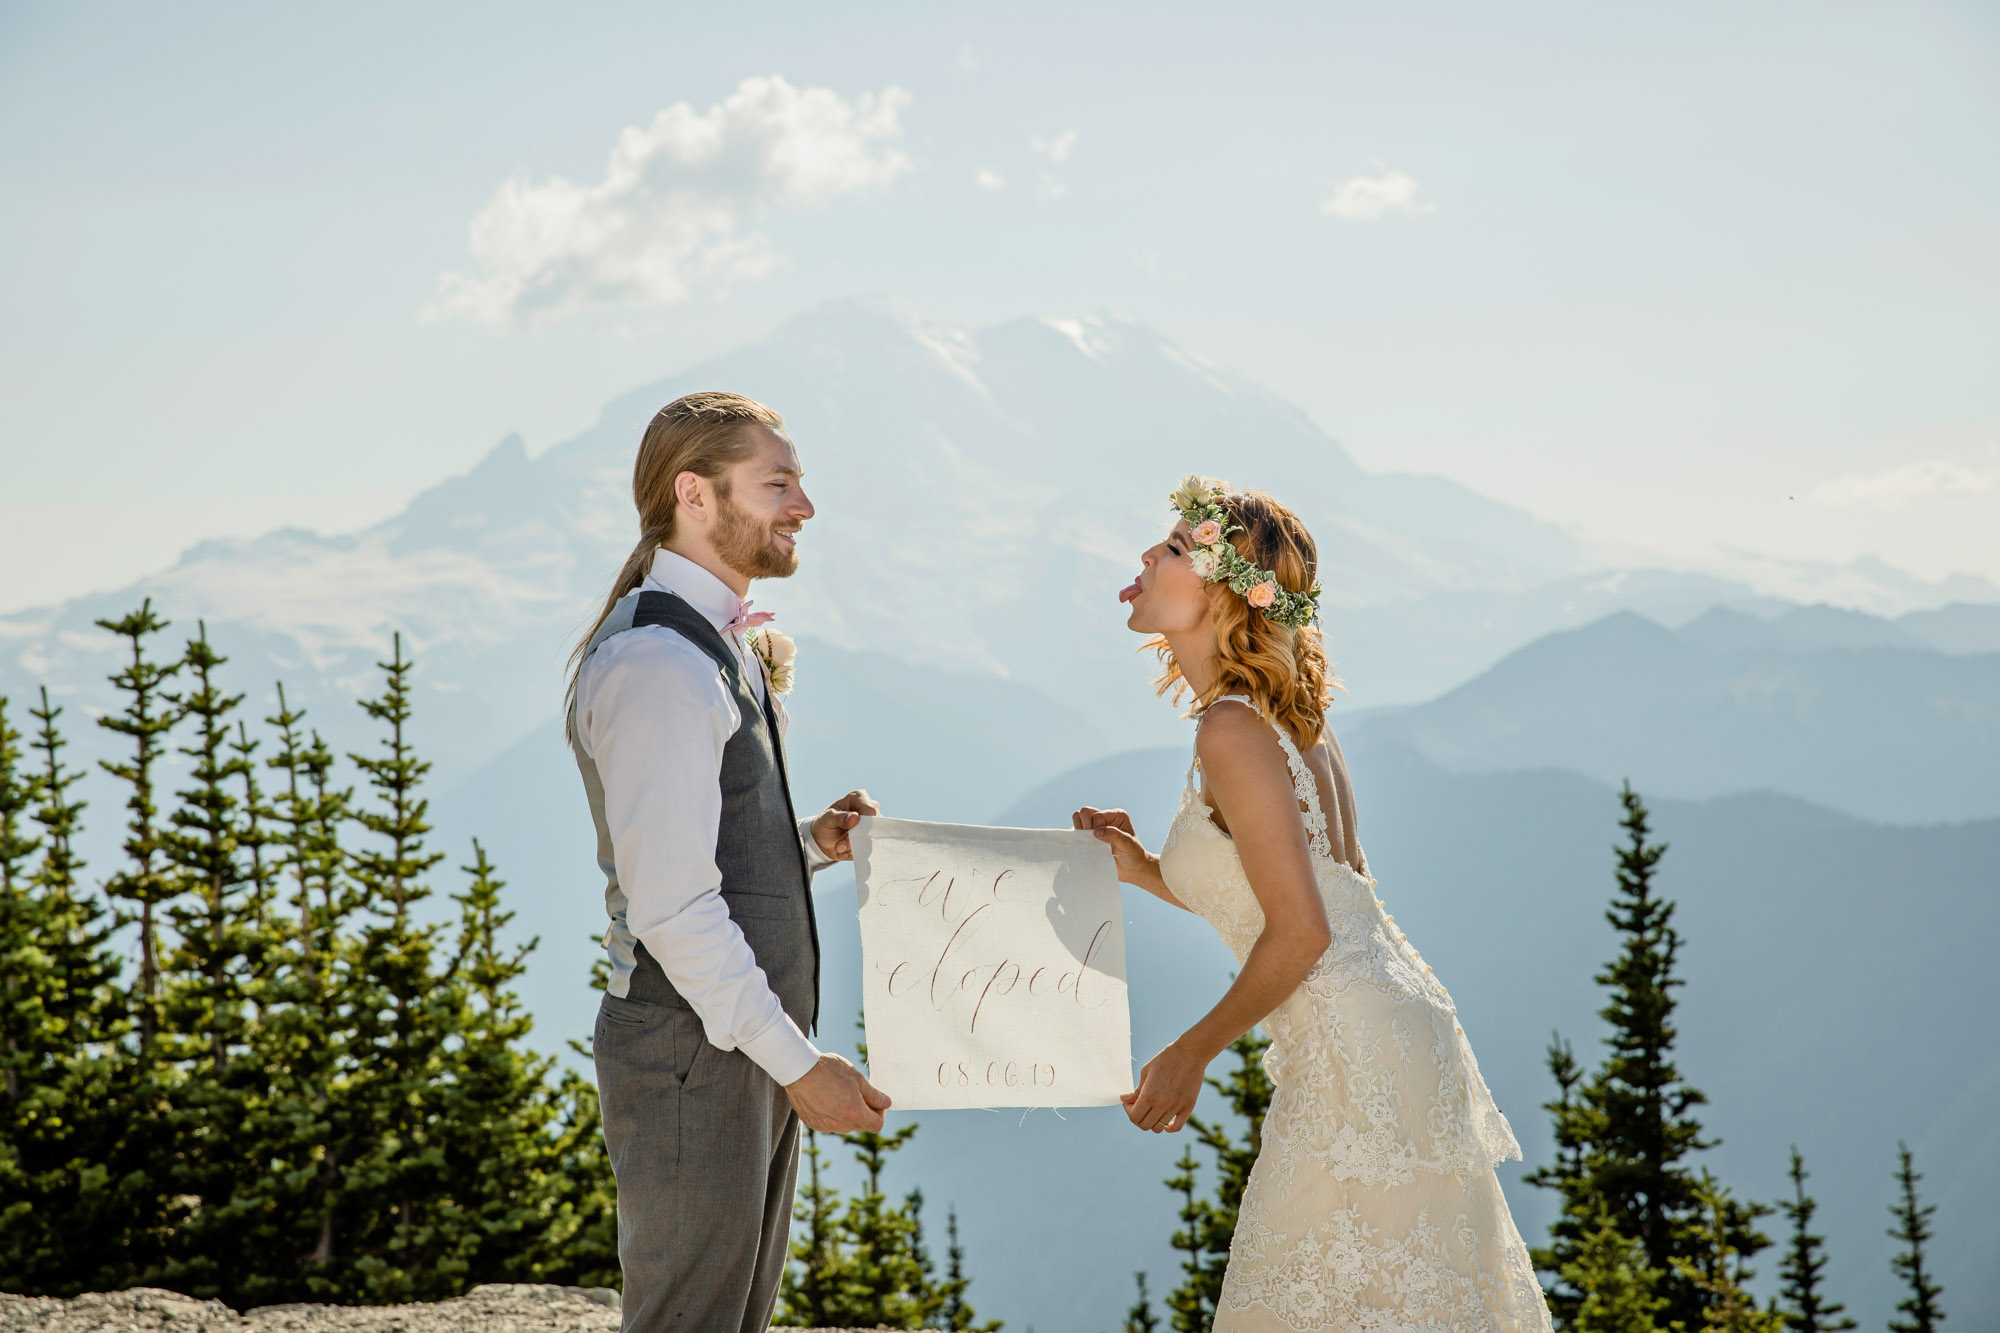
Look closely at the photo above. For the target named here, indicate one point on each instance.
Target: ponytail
(700, 433)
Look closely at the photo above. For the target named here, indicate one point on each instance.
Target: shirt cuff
(782, 1051)
(816, 860)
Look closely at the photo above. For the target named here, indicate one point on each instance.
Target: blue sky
(1697, 280)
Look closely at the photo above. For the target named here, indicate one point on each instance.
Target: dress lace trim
(1373, 1205)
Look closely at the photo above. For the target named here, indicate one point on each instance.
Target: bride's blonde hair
(1283, 670)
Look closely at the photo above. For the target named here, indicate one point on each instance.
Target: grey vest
(765, 882)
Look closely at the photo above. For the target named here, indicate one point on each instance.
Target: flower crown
(1216, 560)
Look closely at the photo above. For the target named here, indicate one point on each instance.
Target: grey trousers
(705, 1149)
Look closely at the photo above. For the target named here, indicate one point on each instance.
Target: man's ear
(692, 490)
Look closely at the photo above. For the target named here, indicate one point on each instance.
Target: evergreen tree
(305, 1093)
(61, 817)
(200, 845)
(257, 841)
(1192, 1304)
(1616, 1291)
(1913, 1229)
(1578, 1226)
(72, 965)
(307, 816)
(1805, 1307)
(1719, 1273)
(812, 1280)
(72, 1193)
(18, 935)
(1247, 1091)
(949, 1296)
(76, 968)
(862, 1263)
(1140, 1317)
(1645, 1128)
(317, 1127)
(403, 1022)
(497, 1110)
(1624, 1134)
(1208, 1224)
(882, 1282)
(579, 1242)
(578, 1246)
(145, 1080)
(146, 881)
(206, 998)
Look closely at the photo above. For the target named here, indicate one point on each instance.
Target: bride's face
(1168, 597)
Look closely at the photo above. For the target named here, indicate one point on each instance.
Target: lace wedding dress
(1373, 1205)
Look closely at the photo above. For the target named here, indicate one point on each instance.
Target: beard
(750, 547)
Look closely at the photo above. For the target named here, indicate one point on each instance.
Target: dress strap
(1195, 767)
(1304, 786)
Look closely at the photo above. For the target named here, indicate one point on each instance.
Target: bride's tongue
(1130, 592)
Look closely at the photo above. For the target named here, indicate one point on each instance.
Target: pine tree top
(19, 788)
(1801, 1273)
(59, 816)
(1913, 1228)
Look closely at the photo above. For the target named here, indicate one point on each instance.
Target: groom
(704, 1063)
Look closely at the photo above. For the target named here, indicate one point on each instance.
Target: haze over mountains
(982, 495)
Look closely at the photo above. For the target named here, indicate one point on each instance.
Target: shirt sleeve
(654, 715)
(816, 860)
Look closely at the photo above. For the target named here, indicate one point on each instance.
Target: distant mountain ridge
(1958, 628)
(1857, 713)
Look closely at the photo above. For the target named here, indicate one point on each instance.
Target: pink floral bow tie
(748, 619)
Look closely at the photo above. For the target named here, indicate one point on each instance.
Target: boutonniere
(777, 652)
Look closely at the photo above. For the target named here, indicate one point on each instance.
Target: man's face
(760, 509)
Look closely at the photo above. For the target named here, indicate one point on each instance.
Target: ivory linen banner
(993, 966)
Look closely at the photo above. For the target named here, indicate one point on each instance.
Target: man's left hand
(830, 830)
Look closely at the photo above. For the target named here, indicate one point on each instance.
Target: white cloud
(1931, 479)
(677, 207)
(1365, 198)
(1049, 187)
(988, 179)
(1055, 148)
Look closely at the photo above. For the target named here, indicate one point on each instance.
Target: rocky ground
(491, 1309)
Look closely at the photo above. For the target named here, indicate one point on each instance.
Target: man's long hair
(702, 433)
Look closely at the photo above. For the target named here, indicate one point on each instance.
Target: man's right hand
(833, 1098)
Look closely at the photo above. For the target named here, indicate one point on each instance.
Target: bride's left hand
(1168, 1087)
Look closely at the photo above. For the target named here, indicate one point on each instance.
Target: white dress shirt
(654, 712)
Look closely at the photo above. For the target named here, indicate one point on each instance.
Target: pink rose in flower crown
(1262, 594)
(1209, 533)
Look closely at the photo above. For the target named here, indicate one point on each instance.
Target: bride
(1373, 1204)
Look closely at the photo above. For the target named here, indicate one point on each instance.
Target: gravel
(497, 1308)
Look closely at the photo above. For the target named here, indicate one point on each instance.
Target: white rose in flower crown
(1204, 562)
(1194, 490)
(777, 652)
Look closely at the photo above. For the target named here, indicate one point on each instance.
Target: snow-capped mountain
(982, 496)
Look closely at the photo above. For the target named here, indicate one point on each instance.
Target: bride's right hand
(1114, 829)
